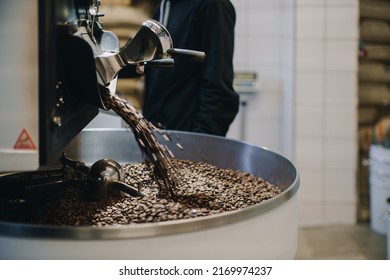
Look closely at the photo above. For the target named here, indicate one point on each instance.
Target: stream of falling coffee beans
(157, 155)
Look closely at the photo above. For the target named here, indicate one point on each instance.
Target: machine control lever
(76, 165)
(104, 177)
(160, 63)
(187, 54)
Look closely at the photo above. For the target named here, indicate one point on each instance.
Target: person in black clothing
(193, 96)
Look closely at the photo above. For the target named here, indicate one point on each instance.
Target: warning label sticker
(24, 141)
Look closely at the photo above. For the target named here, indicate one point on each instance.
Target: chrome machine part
(150, 43)
(106, 178)
(152, 46)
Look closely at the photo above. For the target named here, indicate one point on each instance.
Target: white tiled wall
(326, 91)
(305, 53)
(258, 49)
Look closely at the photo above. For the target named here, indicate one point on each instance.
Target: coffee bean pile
(205, 190)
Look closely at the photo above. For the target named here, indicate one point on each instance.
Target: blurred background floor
(355, 242)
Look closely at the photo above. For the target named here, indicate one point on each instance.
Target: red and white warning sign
(24, 141)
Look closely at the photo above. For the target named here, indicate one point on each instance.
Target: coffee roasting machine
(57, 61)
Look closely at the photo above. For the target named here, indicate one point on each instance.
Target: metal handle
(160, 63)
(187, 54)
(127, 189)
(76, 165)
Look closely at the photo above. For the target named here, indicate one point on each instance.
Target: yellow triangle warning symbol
(24, 141)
